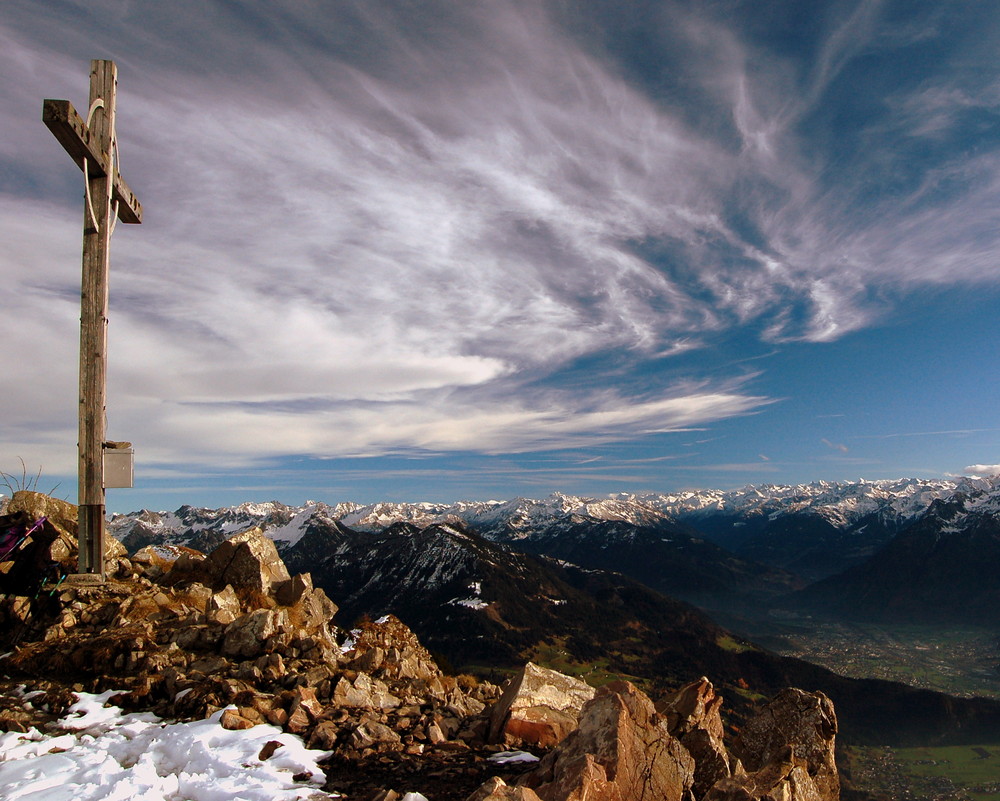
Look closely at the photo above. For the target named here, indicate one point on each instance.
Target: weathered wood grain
(69, 128)
(89, 143)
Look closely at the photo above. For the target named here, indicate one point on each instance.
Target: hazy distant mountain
(203, 528)
(480, 603)
(662, 554)
(626, 535)
(813, 530)
(942, 567)
(720, 550)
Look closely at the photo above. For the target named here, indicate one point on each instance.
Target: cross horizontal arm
(69, 128)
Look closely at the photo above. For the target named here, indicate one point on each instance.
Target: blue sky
(483, 249)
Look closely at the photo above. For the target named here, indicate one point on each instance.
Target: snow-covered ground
(100, 753)
(97, 752)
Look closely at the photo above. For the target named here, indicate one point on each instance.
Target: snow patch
(99, 753)
(474, 602)
(505, 757)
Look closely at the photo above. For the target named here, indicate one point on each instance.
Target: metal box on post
(119, 468)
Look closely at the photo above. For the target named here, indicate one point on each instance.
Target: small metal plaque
(119, 466)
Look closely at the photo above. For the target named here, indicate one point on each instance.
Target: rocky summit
(187, 634)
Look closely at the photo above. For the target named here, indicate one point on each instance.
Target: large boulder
(785, 779)
(804, 724)
(788, 749)
(27, 551)
(314, 609)
(57, 536)
(694, 717)
(61, 514)
(248, 561)
(539, 707)
(38, 542)
(55, 540)
(622, 751)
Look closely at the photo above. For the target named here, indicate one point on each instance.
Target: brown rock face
(52, 540)
(158, 559)
(365, 692)
(387, 648)
(232, 720)
(795, 728)
(37, 505)
(539, 707)
(622, 751)
(248, 635)
(224, 606)
(246, 560)
(782, 780)
(693, 716)
(292, 591)
(496, 789)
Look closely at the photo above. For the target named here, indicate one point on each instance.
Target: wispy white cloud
(955, 432)
(835, 446)
(249, 433)
(362, 238)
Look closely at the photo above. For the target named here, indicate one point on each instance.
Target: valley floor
(954, 773)
(959, 661)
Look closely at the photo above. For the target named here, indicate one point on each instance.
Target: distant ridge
(943, 567)
(812, 530)
(841, 503)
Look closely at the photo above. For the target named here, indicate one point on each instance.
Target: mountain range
(590, 584)
(942, 568)
(751, 548)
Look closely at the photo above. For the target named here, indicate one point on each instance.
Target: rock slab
(622, 751)
(539, 707)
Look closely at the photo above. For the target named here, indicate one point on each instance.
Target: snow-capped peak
(840, 503)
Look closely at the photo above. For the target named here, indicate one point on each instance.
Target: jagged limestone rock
(247, 560)
(54, 540)
(317, 609)
(288, 593)
(371, 733)
(693, 717)
(364, 692)
(539, 707)
(396, 653)
(496, 789)
(223, 606)
(621, 751)
(248, 635)
(233, 720)
(61, 514)
(796, 728)
(784, 779)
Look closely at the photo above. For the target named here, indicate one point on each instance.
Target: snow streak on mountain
(839, 503)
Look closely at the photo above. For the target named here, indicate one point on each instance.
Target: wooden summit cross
(93, 146)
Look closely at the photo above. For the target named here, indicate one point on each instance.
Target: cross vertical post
(92, 145)
(94, 326)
